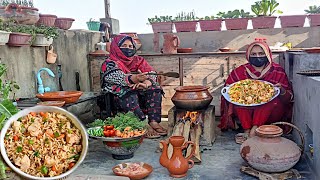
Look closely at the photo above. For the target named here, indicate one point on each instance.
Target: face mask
(128, 52)
(258, 61)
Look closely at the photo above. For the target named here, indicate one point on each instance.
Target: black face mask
(258, 61)
(128, 52)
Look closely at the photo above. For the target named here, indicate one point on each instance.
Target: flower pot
(263, 22)
(93, 25)
(162, 27)
(236, 23)
(41, 40)
(292, 21)
(63, 23)
(186, 26)
(210, 25)
(314, 19)
(21, 14)
(47, 20)
(19, 39)
(4, 37)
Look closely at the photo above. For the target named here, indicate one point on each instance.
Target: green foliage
(25, 3)
(160, 19)
(48, 32)
(313, 10)
(265, 8)
(207, 18)
(183, 16)
(234, 14)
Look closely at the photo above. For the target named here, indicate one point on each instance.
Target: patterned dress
(141, 102)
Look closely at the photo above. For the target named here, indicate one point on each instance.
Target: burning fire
(191, 115)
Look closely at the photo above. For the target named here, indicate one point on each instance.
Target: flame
(192, 115)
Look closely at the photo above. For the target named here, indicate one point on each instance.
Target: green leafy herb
(44, 170)
(32, 119)
(75, 157)
(19, 149)
(96, 123)
(56, 134)
(36, 153)
(46, 140)
(121, 121)
(30, 141)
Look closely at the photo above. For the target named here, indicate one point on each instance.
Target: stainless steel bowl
(25, 112)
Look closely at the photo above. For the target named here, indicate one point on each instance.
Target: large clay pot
(21, 14)
(263, 22)
(192, 98)
(170, 44)
(177, 165)
(63, 23)
(292, 21)
(269, 152)
(135, 38)
(19, 39)
(162, 27)
(47, 20)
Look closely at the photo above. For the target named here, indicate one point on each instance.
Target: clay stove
(192, 117)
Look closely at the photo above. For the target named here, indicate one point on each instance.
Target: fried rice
(43, 144)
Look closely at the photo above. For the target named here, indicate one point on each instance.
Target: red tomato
(110, 127)
(112, 133)
(106, 133)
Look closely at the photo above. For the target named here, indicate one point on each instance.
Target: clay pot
(19, 39)
(21, 14)
(263, 22)
(314, 20)
(192, 98)
(170, 44)
(186, 26)
(236, 23)
(211, 25)
(63, 23)
(269, 152)
(292, 21)
(135, 38)
(162, 27)
(47, 20)
(177, 165)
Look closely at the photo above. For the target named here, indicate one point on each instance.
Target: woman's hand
(282, 90)
(148, 83)
(139, 86)
(136, 78)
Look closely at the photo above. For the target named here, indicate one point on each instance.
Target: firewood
(186, 130)
(197, 155)
(177, 131)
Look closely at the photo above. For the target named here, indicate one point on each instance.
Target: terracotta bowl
(184, 50)
(142, 175)
(224, 49)
(67, 96)
(52, 103)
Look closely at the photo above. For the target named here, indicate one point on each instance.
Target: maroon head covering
(127, 64)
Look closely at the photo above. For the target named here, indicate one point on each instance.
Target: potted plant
(186, 22)
(236, 19)
(63, 23)
(292, 21)
(93, 25)
(313, 15)
(4, 34)
(210, 24)
(264, 11)
(47, 20)
(22, 11)
(21, 35)
(44, 35)
(162, 24)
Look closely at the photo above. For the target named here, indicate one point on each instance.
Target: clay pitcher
(178, 165)
(170, 44)
(269, 152)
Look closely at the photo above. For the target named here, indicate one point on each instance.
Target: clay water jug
(170, 44)
(269, 152)
(178, 165)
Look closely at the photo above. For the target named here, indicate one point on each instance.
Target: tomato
(112, 132)
(106, 133)
(71, 165)
(109, 127)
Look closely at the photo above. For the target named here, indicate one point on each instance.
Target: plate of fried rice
(43, 142)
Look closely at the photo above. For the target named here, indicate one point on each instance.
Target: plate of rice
(43, 142)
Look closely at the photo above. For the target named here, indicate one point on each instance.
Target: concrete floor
(222, 161)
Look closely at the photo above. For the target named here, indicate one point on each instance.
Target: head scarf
(250, 69)
(127, 64)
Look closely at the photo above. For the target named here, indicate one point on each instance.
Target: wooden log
(197, 156)
(186, 130)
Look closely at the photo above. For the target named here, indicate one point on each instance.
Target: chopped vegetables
(30, 141)
(44, 170)
(19, 149)
(36, 153)
(123, 125)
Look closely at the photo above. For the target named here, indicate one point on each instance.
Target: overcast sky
(133, 14)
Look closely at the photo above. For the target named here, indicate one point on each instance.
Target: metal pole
(181, 71)
(107, 8)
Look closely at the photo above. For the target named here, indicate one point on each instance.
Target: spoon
(168, 74)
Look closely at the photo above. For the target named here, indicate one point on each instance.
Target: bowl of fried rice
(43, 142)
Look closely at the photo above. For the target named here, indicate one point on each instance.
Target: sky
(133, 14)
